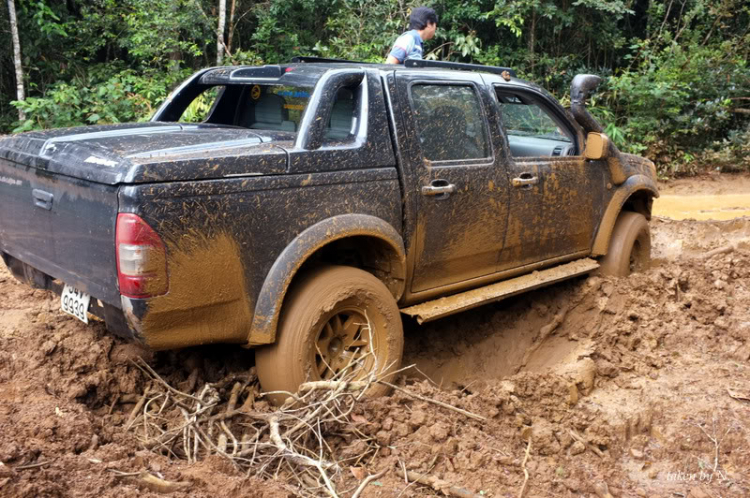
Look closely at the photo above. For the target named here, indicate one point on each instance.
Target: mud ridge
(632, 387)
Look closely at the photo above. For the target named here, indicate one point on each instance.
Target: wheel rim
(343, 345)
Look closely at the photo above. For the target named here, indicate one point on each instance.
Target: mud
(187, 316)
(719, 197)
(633, 387)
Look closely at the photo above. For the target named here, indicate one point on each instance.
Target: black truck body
(242, 208)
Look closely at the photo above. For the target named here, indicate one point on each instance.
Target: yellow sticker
(255, 92)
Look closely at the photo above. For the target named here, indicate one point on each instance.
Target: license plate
(75, 302)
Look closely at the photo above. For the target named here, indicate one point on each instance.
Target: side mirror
(597, 146)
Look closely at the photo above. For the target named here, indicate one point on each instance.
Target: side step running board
(438, 308)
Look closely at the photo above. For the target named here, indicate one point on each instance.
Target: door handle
(42, 199)
(439, 187)
(525, 180)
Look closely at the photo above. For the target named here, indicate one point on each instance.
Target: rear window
(261, 107)
(273, 107)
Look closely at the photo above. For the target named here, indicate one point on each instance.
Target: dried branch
(435, 402)
(367, 481)
(525, 470)
(290, 444)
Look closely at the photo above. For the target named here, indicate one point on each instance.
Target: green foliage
(104, 98)
(199, 108)
(676, 76)
(674, 101)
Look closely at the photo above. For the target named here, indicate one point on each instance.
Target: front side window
(450, 122)
(531, 129)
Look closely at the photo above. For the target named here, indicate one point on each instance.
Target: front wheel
(629, 247)
(337, 322)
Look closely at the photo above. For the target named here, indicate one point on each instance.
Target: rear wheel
(630, 246)
(337, 322)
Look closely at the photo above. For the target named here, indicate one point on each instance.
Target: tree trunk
(220, 31)
(231, 26)
(20, 95)
(532, 39)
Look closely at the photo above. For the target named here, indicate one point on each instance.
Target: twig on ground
(716, 252)
(332, 385)
(717, 442)
(144, 367)
(119, 473)
(138, 407)
(112, 406)
(588, 446)
(33, 465)
(367, 481)
(160, 485)
(434, 401)
(293, 455)
(525, 470)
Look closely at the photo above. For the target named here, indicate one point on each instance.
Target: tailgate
(62, 226)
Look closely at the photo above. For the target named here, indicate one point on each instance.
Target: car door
(461, 190)
(555, 193)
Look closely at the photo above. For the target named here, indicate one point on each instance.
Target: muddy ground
(624, 387)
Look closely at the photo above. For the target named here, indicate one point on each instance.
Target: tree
(17, 57)
(220, 32)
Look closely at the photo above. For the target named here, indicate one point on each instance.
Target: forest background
(676, 74)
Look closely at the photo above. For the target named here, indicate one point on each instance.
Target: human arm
(400, 49)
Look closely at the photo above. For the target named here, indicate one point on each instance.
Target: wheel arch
(637, 195)
(371, 243)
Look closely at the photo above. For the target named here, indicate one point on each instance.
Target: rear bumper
(113, 316)
(161, 326)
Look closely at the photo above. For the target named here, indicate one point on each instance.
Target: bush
(101, 98)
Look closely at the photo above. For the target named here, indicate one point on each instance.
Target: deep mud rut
(625, 387)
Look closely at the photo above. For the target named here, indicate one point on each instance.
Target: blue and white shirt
(407, 46)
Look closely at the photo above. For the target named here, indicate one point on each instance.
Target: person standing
(422, 25)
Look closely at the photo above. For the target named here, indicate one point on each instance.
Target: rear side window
(450, 122)
(200, 108)
(342, 123)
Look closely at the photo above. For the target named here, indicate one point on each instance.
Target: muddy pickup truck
(316, 203)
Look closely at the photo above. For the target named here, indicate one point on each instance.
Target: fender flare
(633, 184)
(310, 240)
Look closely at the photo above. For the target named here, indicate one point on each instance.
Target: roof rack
(312, 59)
(416, 63)
(459, 66)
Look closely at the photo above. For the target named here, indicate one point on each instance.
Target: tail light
(141, 258)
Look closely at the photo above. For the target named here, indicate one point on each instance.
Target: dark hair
(421, 17)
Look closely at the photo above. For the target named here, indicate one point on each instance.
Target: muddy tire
(323, 332)
(630, 246)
